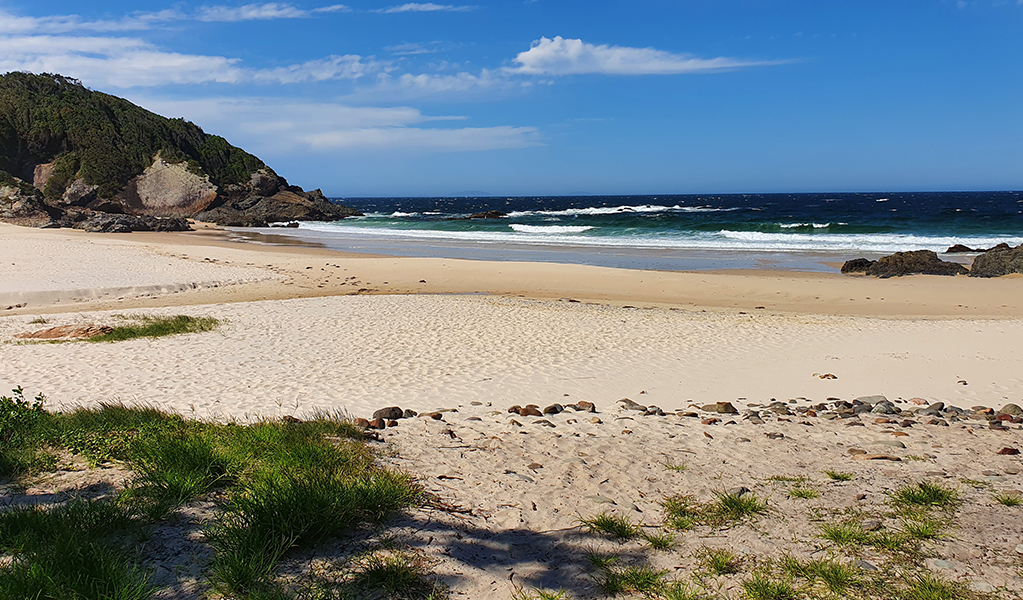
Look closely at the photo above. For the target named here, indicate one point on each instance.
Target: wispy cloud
(273, 126)
(124, 62)
(250, 12)
(412, 48)
(560, 56)
(427, 7)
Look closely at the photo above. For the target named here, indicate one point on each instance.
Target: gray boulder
(998, 261)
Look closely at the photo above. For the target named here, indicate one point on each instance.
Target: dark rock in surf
(998, 261)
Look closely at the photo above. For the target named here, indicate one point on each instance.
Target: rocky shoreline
(993, 262)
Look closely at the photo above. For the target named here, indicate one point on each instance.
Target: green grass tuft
(760, 587)
(838, 476)
(682, 512)
(153, 327)
(539, 594)
(611, 525)
(838, 578)
(729, 507)
(806, 493)
(925, 493)
(674, 466)
(661, 540)
(1008, 499)
(718, 561)
(926, 586)
(844, 534)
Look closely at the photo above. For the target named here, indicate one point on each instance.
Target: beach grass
(924, 494)
(281, 485)
(805, 493)
(146, 326)
(1008, 499)
(611, 526)
(838, 475)
(761, 586)
(718, 561)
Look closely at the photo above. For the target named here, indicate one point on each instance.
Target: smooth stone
(475, 403)
(737, 491)
(943, 564)
(523, 478)
(601, 499)
(1011, 409)
(529, 411)
(554, 409)
(870, 399)
(596, 420)
(630, 405)
(981, 586)
(1019, 549)
(1012, 470)
(871, 525)
(891, 443)
(544, 422)
(864, 565)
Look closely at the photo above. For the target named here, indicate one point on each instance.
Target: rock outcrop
(961, 249)
(289, 204)
(168, 190)
(998, 261)
(65, 149)
(916, 262)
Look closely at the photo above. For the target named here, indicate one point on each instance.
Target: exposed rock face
(79, 193)
(41, 174)
(856, 265)
(290, 204)
(19, 207)
(959, 248)
(169, 190)
(923, 262)
(99, 222)
(998, 261)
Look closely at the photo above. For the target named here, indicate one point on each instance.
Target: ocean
(677, 232)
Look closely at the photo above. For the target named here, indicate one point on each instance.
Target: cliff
(68, 153)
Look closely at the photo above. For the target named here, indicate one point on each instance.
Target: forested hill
(103, 139)
(67, 146)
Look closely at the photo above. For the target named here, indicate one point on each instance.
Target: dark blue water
(660, 228)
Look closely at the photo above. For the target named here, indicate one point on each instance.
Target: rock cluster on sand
(925, 262)
(993, 262)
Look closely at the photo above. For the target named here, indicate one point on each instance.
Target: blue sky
(371, 98)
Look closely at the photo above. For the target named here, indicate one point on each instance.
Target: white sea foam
(719, 240)
(615, 210)
(550, 229)
(795, 225)
(398, 213)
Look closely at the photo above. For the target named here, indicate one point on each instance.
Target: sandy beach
(305, 329)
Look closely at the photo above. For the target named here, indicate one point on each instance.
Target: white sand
(283, 350)
(359, 353)
(64, 268)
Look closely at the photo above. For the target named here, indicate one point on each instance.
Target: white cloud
(426, 7)
(350, 66)
(250, 12)
(560, 56)
(332, 9)
(413, 139)
(274, 126)
(412, 48)
(124, 62)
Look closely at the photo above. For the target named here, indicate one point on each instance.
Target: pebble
(554, 409)
(864, 565)
(774, 435)
(584, 406)
(943, 564)
(737, 491)
(1012, 470)
(1008, 451)
(871, 525)
(892, 443)
(544, 422)
(530, 411)
(596, 420)
(433, 415)
(601, 499)
(856, 451)
(1019, 549)
(876, 457)
(981, 586)
(534, 466)
(710, 421)
(475, 403)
